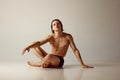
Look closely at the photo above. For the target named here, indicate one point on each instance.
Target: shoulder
(68, 36)
(49, 36)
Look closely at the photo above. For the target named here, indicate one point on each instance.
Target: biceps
(47, 39)
(43, 42)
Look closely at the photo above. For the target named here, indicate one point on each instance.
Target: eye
(53, 24)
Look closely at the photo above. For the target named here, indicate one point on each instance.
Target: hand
(24, 50)
(86, 66)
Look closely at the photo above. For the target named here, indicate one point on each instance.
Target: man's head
(56, 24)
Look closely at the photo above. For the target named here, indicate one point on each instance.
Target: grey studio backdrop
(94, 24)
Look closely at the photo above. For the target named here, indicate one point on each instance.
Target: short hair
(59, 22)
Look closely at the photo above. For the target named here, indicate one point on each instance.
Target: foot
(36, 64)
(46, 65)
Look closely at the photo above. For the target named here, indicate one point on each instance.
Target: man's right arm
(37, 44)
(28, 47)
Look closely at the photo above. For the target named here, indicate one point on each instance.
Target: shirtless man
(59, 42)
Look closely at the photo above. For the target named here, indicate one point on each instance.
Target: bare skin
(59, 42)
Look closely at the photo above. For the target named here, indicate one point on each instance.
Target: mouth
(57, 26)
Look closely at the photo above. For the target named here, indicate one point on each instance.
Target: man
(59, 42)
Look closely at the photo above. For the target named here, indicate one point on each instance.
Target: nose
(57, 25)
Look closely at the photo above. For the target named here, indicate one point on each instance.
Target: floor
(20, 71)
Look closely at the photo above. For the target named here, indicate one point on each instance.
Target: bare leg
(50, 61)
(36, 64)
(39, 52)
(46, 64)
(39, 64)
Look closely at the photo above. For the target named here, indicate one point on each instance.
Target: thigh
(54, 60)
(39, 49)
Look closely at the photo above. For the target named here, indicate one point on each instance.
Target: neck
(58, 33)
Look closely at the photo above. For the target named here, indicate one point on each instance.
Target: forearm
(35, 44)
(77, 54)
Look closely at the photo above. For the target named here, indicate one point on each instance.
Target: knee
(48, 56)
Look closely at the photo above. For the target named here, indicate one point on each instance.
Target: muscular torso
(60, 45)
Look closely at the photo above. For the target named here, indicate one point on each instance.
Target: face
(56, 26)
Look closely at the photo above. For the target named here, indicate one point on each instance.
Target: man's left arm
(77, 53)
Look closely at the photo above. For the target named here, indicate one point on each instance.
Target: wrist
(82, 64)
(27, 48)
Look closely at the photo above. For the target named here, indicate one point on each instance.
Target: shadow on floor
(71, 66)
(66, 66)
(105, 64)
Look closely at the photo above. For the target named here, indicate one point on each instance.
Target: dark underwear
(61, 61)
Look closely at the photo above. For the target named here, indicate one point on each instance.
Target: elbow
(76, 51)
(36, 44)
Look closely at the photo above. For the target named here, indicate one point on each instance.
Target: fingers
(28, 50)
(24, 50)
(86, 66)
(89, 67)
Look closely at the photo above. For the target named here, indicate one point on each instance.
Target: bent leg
(50, 61)
(39, 64)
(39, 52)
(36, 64)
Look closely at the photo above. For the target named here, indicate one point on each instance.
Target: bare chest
(60, 42)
